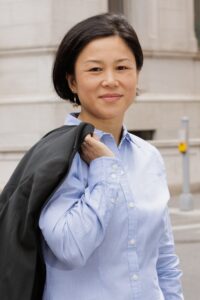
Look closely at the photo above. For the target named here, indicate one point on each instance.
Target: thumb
(95, 136)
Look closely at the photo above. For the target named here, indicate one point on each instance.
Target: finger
(84, 144)
(87, 138)
(95, 136)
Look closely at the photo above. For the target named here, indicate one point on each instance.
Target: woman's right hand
(93, 148)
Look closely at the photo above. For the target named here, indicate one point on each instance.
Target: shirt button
(134, 277)
(115, 166)
(112, 200)
(113, 175)
(132, 242)
(131, 204)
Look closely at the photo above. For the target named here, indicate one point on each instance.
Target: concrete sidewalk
(184, 221)
(186, 228)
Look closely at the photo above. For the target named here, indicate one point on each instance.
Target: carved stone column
(163, 25)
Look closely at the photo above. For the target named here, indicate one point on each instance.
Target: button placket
(132, 253)
(132, 233)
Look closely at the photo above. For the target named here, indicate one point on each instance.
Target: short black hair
(102, 25)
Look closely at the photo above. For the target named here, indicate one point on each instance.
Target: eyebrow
(99, 61)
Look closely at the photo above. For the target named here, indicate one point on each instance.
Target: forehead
(104, 48)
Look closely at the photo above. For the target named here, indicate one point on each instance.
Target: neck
(112, 126)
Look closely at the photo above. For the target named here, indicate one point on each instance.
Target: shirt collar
(72, 119)
(128, 136)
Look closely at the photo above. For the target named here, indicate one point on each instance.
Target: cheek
(87, 84)
(130, 85)
(130, 80)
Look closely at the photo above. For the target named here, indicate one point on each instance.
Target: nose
(110, 80)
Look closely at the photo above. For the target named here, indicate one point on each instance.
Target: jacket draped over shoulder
(34, 180)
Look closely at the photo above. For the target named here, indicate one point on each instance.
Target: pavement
(186, 228)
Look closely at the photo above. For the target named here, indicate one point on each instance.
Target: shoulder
(144, 145)
(147, 148)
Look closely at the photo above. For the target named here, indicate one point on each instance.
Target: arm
(75, 219)
(167, 264)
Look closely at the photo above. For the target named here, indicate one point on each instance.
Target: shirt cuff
(105, 169)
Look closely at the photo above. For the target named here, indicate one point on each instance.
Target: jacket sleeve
(74, 221)
(168, 264)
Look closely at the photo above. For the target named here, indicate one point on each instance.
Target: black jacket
(38, 174)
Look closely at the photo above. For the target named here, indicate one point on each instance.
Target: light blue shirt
(106, 230)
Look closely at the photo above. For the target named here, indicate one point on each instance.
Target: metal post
(186, 202)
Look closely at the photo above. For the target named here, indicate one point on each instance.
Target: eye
(121, 68)
(95, 69)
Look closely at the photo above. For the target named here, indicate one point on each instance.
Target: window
(116, 6)
(197, 19)
(144, 134)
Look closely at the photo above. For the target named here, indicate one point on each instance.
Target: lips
(111, 97)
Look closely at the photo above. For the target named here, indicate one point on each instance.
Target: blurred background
(169, 31)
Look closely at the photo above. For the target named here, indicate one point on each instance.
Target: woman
(106, 230)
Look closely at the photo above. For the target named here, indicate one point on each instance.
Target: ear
(72, 83)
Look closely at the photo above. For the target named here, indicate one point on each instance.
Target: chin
(111, 115)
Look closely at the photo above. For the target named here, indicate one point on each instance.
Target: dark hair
(103, 25)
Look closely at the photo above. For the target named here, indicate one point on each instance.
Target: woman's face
(105, 79)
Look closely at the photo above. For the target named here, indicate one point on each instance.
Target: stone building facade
(30, 31)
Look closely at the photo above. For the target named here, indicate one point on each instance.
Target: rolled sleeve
(104, 169)
(168, 264)
(75, 220)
